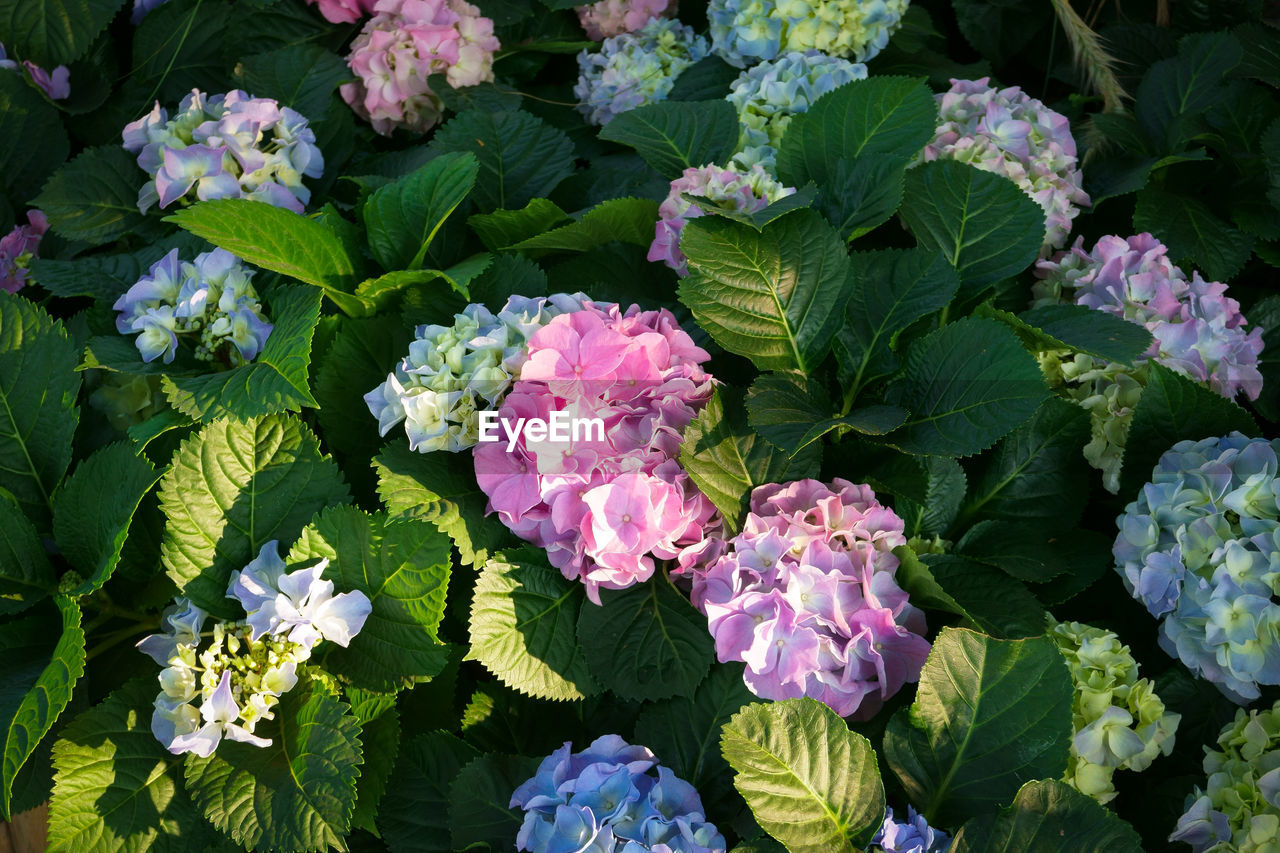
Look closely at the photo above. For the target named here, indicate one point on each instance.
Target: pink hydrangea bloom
(18, 249)
(609, 18)
(343, 11)
(608, 502)
(1007, 132)
(805, 595)
(404, 43)
(733, 187)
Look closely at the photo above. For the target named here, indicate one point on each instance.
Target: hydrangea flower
(224, 146)
(57, 85)
(608, 18)
(634, 69)
(401, 46)
(1118, 721)
(210, 298)
(128, 399)
(1238, 811)
(18, 249)
(805, 595)
(1198, 331)
(1010, 133)
(767, 95)
(611, 798)
(744, 32)
(343, 11)
(1200, 548)
(732, 187)
(142, 7)
(454, 372)
(608, 501)
(914, 835)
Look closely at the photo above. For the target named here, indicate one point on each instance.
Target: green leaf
(757, 219)
(1176, 90)
(415, 810)
(892, 288)
(989, 598)
(53, 32)
(441, 488)
(403, 567)
(1173, 408)
(862, 194)
(43, 660)
(982, 223)
(646, 641)
(403, 217)
(94, 198)
(1195, 235)
(521, 158)
(116, 787)
(276, 381)
(479, 801)
(93, 508)
(674, 136)
(107, 277)
(1078, 328)
(28, 117)
(523, 620)
(988, 714)
(303, 77)
(775, 296)
(967, 384)
(380, 738)
(726, 459)
(506, 276)
(233, 487)
(38, 414)
(504, 228)
(1029, 553)
(25, 573)
(179, 47)
(1048, 817)
(811, 783)
(793, 411)
(706, 79)
(296, 794)
(629, 220)
(458, 277)
(932, 513)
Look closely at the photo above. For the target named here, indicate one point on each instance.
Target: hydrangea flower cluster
(612, 797)
(914, 835)
(211, 297)
(343, 11)
(1198, 331)
(1239, 809)
(805, 595)
(635, 68)
(744, 32)
(55, 84)
(454, 372)
(1012, 134)
(401, 46)
(613, 497)
(733, 187)
(1200, 548)
(18, 249)
(247, 666)
(767, 95)
(224, 146)
(1119, 722)
(609, 18)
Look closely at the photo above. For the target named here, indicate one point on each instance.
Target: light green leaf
(1196, 236)
(233, 487)
(1048, 817)
(479, 801)
(674, 136)
(25, 573)
(521, 157)
(811, 783)
(403, 217)
(415, 811)
(988, 715)
(53, 32)
(95, 196)
(629, 220)
(503, 228)
(27, 116)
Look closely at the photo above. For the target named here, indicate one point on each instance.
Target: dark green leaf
(863, 194)
(932, 513)
(479, 801)
(629, 220)
(179, 47)
(1048, 817)
(301, 76)
(380, 738)
(704, 80)
(1077, 328)
(674, 136)
(415, 811)
(504, 228)
(1178, 89)
(760, 218)
(404, 216)
(992, 600)
(94, 197)
(521, 158)
(33, 143)
(25, 573)
(1195, 235)
(53, 32)
(792, 412)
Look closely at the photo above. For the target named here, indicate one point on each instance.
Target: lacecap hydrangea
(913, 835)
(608, 18)
(634, 69)
(224, 146)
(612, 797)
(613, 498)
(732, 187)
(767, 95)
(1200, 548)
(1117, 720)
(805, 595)
(210, 301)
(1198, 331)
(1238, 810)
(744, 32)
(401, 46)
(18, 249)
(248, 665)
(1007, 132)
(454, 372)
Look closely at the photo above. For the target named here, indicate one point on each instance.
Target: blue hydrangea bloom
(635, 69)
(744, 32)
(914, 835)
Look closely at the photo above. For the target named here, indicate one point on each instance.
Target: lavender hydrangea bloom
(18, 249)
(142, 7)
(612, 797)
(914, 835)
(744, 32)
(805, 595)
(1201, 547)
(634, 69)
(55, 84)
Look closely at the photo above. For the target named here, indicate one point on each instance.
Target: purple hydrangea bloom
(55, 84)
(142, 7)
(18, 249)
(914, 835)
